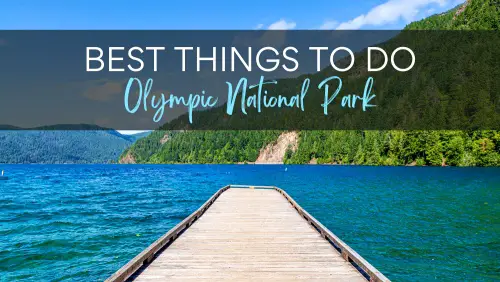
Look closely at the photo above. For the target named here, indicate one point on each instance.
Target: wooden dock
(246, 233)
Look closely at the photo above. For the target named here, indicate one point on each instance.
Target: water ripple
(86, 221)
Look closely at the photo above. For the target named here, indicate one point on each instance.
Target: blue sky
(254, 14)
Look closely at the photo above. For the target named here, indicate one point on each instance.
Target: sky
(216, 15)
(229, 14)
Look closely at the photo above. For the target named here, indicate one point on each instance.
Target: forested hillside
(62, 146)
(457, 148)
(454, 148)
(201, 146)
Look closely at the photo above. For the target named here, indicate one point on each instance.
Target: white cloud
(390, 12)
(329, 24)
(259, 26)
(282, 25)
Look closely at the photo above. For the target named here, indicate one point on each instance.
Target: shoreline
(249, 164)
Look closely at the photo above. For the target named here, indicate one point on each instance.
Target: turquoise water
(83, 222)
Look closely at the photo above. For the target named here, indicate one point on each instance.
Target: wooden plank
(249, 234)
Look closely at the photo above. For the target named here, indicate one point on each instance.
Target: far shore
(241, 163)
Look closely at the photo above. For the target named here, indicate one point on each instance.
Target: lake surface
(83, 222)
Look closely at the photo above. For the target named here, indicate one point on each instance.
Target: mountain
(390, 147)
(471, 15)
(62, 144)
(140, 135)
(199, 147)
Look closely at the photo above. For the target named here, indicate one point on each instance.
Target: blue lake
(83, 222)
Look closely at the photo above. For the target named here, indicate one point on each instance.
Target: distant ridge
(9, 127)
(62, 144)
(81, 126)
